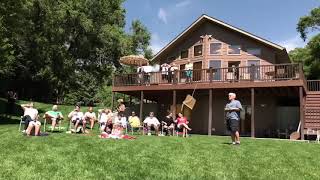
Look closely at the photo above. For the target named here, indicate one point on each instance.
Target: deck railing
(277, 72)
(313, 85)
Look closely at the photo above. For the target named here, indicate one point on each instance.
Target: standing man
(232, 110)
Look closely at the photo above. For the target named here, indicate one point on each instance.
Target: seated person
(168, 124)
(134, 120)
(117, 132)
(121, 120)
(105, 120)
(90, 116)
(182, 123)
(77, 119)
(30, 116)
(55, 116)
(121, 107)
(152, 121)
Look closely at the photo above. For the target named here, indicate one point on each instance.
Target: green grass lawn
(75, 156)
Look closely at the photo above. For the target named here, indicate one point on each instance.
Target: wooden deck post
(252, 114)
(301, 99)
(130, 100)
(210, 113)
(174, 104)
(141, 105)
(112, 100)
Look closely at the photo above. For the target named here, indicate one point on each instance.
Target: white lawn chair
(21, 122)
(48, 120)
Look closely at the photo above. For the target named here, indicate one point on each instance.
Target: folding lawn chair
(179, 131)
(48, 120)
(140, 129)
(71, 126)
(318, 136)
(21, 122)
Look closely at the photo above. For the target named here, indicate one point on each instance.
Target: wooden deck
(280, 75)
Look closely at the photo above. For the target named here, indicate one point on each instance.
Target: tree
(309, 55)
(311, 21)
(70, 47)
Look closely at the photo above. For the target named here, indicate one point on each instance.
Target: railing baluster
(265, 73)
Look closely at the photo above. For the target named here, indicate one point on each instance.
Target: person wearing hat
(232, 110)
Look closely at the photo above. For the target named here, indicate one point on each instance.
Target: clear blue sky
(274, 20)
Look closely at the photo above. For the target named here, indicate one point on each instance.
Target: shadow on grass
(9, 120)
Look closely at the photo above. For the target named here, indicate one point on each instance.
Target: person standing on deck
(172, 73)
(188, 70)
(232, 110)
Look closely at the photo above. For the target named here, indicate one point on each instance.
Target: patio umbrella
(134, 60)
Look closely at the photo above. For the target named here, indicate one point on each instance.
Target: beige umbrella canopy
(134, 60)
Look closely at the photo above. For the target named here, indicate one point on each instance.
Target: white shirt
(33, 113)
(90, 115)
(122, 121)
(104, 117)
(189, 66)
(147, 69)
(151, 121)
(74, 115)
(173, 68)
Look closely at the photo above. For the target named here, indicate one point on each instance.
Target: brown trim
(112, 100)
(252, 114)
(213, 85)
(174, 104)
(141, 105)
(210, 113)
(301, 99)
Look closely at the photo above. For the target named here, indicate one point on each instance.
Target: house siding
(226, 37)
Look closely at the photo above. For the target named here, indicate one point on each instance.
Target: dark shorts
(233, 125)
(81, 122)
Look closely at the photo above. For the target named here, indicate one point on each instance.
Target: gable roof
(211, 19)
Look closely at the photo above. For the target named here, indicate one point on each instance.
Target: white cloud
(162, 15)
(183, 3)
(292, 43)
(156, 43)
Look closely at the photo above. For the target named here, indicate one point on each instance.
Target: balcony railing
(313, 85)
(263, 73)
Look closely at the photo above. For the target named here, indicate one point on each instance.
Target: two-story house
(225, 59)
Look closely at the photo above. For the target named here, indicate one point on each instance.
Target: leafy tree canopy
(72, 47)
(310, 54)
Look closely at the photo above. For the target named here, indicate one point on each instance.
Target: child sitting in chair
(182, 123)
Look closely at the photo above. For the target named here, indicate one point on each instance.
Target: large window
(216, 71)
(254, 51)
(197, 50)
(215, 48)
(184, 54)
(234, 49)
